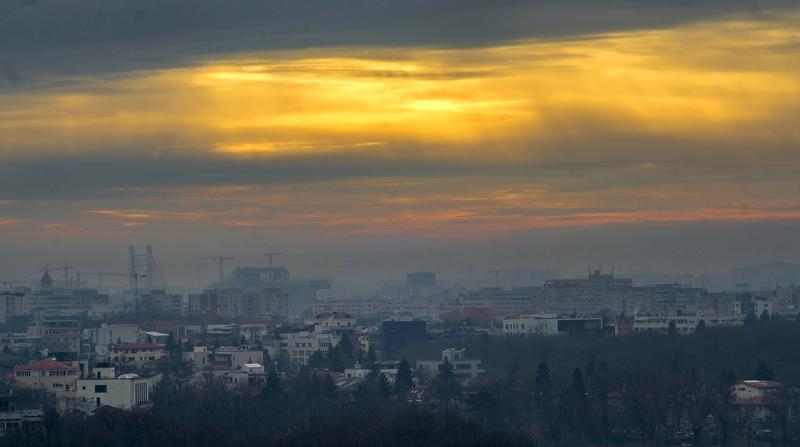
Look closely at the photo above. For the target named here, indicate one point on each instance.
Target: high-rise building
(421, 279)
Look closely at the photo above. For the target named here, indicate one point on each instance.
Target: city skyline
(648, 136)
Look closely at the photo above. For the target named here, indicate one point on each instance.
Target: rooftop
(45, 365)
(138, 345)
(334, 315)
(762, 384)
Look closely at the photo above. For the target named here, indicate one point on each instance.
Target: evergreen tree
(589, 372)
(445, 370)
(383, 386)
(373, 390)
(346, 346)
(446, 385)
(673, 329)
(273, 388)
(578, 384)
(764, 372)
(543, 383)
(335, 360)
(328, 386)
(701, 326)
(317, 360)
(173, 348)
(404, 381)
(370, 358)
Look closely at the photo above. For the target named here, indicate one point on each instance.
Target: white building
(756, 399)
(109, 334)
(335, 323)
(543, 324)
(465, 370)
(155, 337)
(137, 353)
(686, 324)
(300, 346)
(124, 392)
(228, 356)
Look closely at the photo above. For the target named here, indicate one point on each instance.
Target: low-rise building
(124, 392)
(161, 302)
(541, 324)
(136, 354)
(387, 368)
(685, 324)
(300, 346)
(101, 338)
(399, 332)
(58, 335)
(155, 337)
(335, 323)
(228, 356)
(15, 417)
(49, 375)
(756, 399)
(465, 370)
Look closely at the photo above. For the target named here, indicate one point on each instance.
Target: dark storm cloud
(58, 37)
(139, 174)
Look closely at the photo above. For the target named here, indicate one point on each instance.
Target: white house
(300, 346)
(124, 392)
(756, 399)
(333, 322)
(136, 353)
(465, 370)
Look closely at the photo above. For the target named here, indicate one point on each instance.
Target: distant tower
(140, 266)
(46, 281)
(148, 263)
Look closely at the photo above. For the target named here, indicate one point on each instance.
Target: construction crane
(221, 260)
(269, 254)
(100, 276)
(66, 268)
(136, 277)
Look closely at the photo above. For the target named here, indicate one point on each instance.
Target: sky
(369, 138)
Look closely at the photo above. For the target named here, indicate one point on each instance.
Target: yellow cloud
(720, 81)
(729, 87)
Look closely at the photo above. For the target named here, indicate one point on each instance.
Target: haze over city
(417, 222)
(368, 139)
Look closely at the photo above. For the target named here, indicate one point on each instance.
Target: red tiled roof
(138, 345)
(45, 365)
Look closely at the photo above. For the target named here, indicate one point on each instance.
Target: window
(101, 388)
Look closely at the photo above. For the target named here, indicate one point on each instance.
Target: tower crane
(269, 254)
(221, 260)
(100, 276)
(66, 268)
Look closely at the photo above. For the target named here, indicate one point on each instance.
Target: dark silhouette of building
(421, 279)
